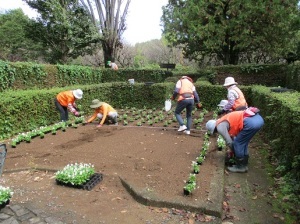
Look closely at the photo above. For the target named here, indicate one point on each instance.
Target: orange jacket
(186, 90)
(235, 120)
(67, 99)
(104, 109)
(241, 101)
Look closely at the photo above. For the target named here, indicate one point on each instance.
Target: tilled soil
(154, 158)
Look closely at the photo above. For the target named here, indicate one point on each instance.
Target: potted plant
(189, 187)
(42, 135)
(200, 159)
(27, 137)
(195, 167)
(53, 131)
(75, 174)
(192, 178)
(221, 143)
(5, 196)
(14, 143)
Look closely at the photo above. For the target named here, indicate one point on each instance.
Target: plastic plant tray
(89, 185)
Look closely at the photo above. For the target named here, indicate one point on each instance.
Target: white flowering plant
(195, 167)
(192, 178)
(200, 159)
(190, 187)
(75, 174)
(5, 194)
(221, 142)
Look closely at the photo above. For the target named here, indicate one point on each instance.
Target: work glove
(76, 113)
(199, 105)
(220, 112)
(229, 154)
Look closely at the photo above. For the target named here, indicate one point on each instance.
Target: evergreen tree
(64, 28)
(230, 30)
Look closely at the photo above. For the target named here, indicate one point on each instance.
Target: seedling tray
(89, 185)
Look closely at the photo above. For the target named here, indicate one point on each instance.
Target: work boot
(246, 158)
(239, 167)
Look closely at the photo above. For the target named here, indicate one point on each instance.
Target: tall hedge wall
(21, 75)
(24, 75)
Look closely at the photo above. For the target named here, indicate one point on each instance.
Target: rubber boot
(246, 158)
(239, 167)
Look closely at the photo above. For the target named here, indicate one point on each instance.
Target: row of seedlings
(190, 185)
(41, 131)
(146, 116)
(154, 116)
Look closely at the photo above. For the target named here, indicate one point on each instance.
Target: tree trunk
(111, 24)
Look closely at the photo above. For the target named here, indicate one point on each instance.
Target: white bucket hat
(223, 103)
(229, 81)
(78, 93)
(211, 125)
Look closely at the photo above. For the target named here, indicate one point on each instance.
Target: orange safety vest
(186, 90)
(235, 120)
(65, 98)
(241, 101)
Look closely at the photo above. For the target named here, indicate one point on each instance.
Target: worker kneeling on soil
(104, 112)
(237, 128)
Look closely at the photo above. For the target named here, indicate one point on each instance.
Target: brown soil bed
(153, 158)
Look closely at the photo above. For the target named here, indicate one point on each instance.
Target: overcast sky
(143, 21)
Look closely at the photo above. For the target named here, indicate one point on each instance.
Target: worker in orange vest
(238, 128)
(187, 97)
(104, 112)
(65, 101)
(236, 98)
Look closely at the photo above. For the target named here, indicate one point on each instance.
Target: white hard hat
(78, 93)
(223, 103)
(211, 125)
(229, 81)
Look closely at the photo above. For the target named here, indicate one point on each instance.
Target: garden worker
(65, 101)
(237, 128)
(236, 99)
(187, 96)
(113, 65)
(103, 111)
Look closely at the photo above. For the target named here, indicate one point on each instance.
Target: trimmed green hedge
(25, 75)
(25, 110)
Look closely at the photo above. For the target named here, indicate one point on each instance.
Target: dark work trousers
(64, 115)
(187, 104)
(251, 126)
